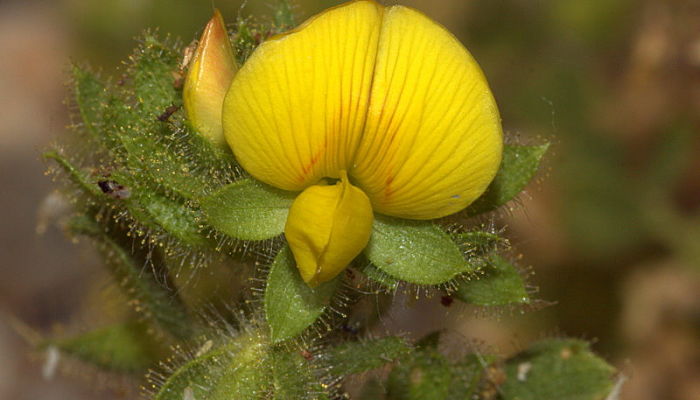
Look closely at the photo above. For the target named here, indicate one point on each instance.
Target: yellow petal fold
(296, 110)
(209, 77)
(433, 137)
(327, 227)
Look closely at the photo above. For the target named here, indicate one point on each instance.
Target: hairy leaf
(415, 251)
(561, 369)
(91, 97)
(424, 375)
(294, 376)
(236, 370)
(517, 169)
(500, 285)
(75, 174)
(248, 210)
(124, 348)
(355, 357)
(291, 305)
(142, 274)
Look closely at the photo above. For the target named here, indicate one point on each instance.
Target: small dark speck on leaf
(113, 189)
(167, 113)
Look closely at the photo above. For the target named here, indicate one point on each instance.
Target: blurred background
(611, 228)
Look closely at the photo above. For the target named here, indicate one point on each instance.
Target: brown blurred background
(611, 228)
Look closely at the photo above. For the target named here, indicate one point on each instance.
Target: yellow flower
(363, 109)
(210, 73)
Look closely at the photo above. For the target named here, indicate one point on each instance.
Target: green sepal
(248, 210)
(557, 369)
(423, 375)
(415, 251)
(134, 267)
(238, 369)
(123, 348)
(356, 357)
(518, 167)
(291, 305)
(500, 285)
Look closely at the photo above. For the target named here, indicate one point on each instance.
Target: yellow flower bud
(328, 226)
(210, 74)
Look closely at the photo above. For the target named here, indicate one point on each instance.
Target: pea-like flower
(362, 109)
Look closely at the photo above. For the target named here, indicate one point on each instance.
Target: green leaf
(356, 357)
(124, 348)
(91, 96)
(519, 165)
(424, 375)
(388, 282)
(236, 370)
(248, 210)
(467, 375)
(557, 369)
(77, 176)
(500, 285)
(171, 215)
(151, 71)
(140, 271)
(291, 305)
(479, 243)
(146, 118)
(415, 251)
(151, 209)
(294, 376)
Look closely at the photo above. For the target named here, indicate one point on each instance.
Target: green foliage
(415, 251)
(125, 348)
(427, 374)
(424, 375)
(468, 375)
(295, 376)
(151, 192)
(501, 284)
(138, 270)
(236, 369)
(557, 369)
(355, 357)
(248, 210)
(518, 167)
(291, 305)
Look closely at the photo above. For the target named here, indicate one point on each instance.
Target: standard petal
(433, 136)
(208, 79)
(295, 111)
(327, 227)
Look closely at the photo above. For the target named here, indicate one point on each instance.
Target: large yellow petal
(327, 227)
(433, 138)
(295, 111)
(208, 79)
